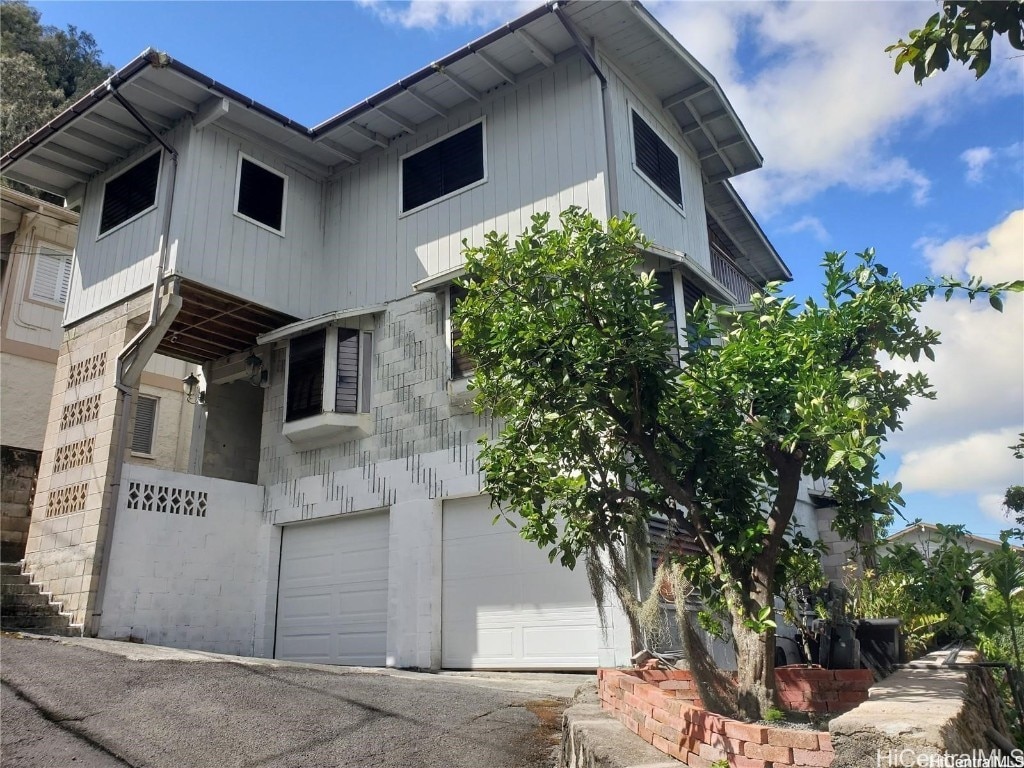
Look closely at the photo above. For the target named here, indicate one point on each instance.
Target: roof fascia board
(395, 89)
(749, 217)
(439, 280)
(300, 327)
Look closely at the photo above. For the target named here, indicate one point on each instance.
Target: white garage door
(503, 605)
(332, 605)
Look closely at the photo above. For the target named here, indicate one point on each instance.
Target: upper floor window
(666, 294)
(443, 167)
(260, 194)
(655, 160)
(329, 372)
(131, 193)
(51, 277)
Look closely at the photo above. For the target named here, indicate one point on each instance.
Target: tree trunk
(755, 670)
(716, 687)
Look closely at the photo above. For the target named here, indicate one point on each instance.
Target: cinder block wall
(77, 467)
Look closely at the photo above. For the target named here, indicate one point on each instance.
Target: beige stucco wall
(173, 429)
(26, 386)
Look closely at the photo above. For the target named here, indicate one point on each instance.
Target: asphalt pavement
(95, 704)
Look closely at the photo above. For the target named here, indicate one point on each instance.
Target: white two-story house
(331, 510)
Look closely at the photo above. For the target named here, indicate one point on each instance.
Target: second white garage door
(333, 592)
(503, 605)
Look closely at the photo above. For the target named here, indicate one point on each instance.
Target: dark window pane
(305, 376)
(462, 364)
(261, 195)
(656, 160)
(130, 193)
(667, 295)
(444, 167)
(347, 386)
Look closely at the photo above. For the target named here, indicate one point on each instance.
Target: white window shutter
(52, 277)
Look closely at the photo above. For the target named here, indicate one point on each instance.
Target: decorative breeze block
(87, 370)
(80, 411)
(148, 497)
(73, 455)
(67, 500)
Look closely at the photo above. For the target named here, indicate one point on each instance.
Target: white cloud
(979, 461)
(810, 224)
(960, 441)
(991, 506)
(976, 158)
(818, 94)
(430, 14)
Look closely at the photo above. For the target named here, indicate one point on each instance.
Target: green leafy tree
(961, 31)
(43, 69)
(600, 429)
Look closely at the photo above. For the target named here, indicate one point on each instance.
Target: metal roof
(97, 131)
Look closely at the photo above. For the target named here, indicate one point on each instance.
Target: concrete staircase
(25, 607)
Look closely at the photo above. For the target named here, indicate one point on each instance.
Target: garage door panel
(504, 604)
(332, 598)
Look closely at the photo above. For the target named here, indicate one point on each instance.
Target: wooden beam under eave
(115, 127)
(87, 160)
(210, 111)
(459, 83)
(406, 125)
(685, 95)
(504, 72)
(74, 173)
(344, 153)
(428, 102)
(371, 136)
(162, 93)
(537, 50)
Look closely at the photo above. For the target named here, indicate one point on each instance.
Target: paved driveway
(72, 704)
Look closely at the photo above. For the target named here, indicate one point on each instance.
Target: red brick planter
(664, 709)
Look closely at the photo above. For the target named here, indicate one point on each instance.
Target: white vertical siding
(657, 217)
(545, 152)
(222, 250)
(123, 261)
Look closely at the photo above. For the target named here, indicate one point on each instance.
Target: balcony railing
(731, 276)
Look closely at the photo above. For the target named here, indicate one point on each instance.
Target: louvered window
(352, 393)
(130, 194)
(306, 376)
(656, 161)
(51, 277)
(442, 168)
(462, 364)
(346, 352)
(691, 295)
(667, 295)
(261, 194)
(145, 425)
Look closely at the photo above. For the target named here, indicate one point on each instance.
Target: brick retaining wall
(664, 708)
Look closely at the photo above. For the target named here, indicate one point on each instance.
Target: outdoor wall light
(258, 375)
(192, 392)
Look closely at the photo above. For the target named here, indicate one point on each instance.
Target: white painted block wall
(187, 581)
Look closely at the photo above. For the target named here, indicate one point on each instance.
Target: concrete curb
(593, 738)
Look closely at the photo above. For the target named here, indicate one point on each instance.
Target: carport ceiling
(212, 324)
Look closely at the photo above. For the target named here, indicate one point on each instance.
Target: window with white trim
(144, 431)
(329, 371)
(51, 277)
(260, 194)
(443, 167)
(655, 160)
(131, 193)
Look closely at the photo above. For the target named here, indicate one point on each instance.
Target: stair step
(10, 569)
(18, 588)
(24, 607)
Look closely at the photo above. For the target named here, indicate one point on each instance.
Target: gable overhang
(755, 254)
(97, 132)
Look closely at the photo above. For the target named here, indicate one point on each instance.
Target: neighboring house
(925, 538)
(37, 241)
(332, 508)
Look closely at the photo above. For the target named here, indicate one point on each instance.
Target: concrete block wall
(77, 467)
(187, 574)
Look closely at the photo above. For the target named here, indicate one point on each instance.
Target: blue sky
(931, 176)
